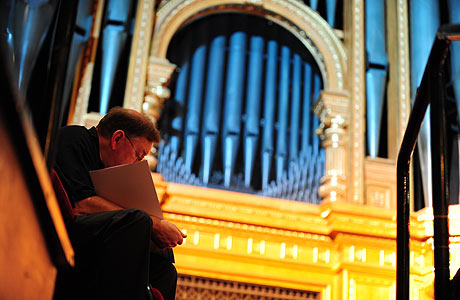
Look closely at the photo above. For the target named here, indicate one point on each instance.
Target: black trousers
(112, 259)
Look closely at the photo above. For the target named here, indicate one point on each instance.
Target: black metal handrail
(431, 91)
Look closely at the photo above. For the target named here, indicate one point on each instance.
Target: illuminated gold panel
(341, 250)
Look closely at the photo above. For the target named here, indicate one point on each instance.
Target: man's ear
(116, 138)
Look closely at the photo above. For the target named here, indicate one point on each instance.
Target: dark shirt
(77, 153)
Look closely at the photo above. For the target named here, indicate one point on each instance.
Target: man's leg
(118, 242)
(163, 276)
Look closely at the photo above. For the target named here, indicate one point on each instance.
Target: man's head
(125, 136)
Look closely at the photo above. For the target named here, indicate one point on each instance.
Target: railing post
(432, 89)
(440, 192)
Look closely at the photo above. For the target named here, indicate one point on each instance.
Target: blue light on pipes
(83, 21)
(211, 115)
(28, 24)
(283, 107)
(192, 123)
(118, 10)
(314, 4)
(113, 41)
(180, 94)
(253, 105)
(269, 111)
(295, 109)
(375, 92)
(306, 109)
(376, 75)
(233, 102)
(424, 23)
(330, 10)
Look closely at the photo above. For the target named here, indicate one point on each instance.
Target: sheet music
(130, 186)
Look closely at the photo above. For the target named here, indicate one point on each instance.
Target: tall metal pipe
(233, 102)
(424, 21)
(306, 110)
(269, 111)
(192, 122)
(295, 109)
(212, 104)
(283, 108)
(253, 101)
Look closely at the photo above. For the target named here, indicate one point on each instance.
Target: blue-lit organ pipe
(424, 22)
(377, 72)
(283, 109)
(212, 104)
(180, 93)
(269, 111)
(179, 97)
(83, 22)
(113, 41)
(253, 100)
(454, 9)
(314, 4)
(375, 91)
(316, 92)
(27, 27)
(295, 109)
(331, 6)
(114, 38)
(192, 122)
(233, 102)
(306, 110)
(259, 95)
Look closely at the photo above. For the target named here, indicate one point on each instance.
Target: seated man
(112, 240)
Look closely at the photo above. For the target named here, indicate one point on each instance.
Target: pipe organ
(241, 96)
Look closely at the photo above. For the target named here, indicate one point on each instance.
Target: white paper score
(130, 186)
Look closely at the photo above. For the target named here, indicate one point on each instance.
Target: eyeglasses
(138, 156)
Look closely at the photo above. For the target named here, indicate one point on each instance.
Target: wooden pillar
(332, 111)
(156, 92)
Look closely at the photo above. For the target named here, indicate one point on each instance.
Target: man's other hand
(166, 234)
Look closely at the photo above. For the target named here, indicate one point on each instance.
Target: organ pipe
(114, 39)
(377, 72)
(424, 17)
(306, 110)
(316, 91)
(253, 100)
(283, 108)
(27, 25)
(233, 102)
(211, 115)
(180, 94)
(331, 6)
(269, 111)
(295, 109)
(192, 122)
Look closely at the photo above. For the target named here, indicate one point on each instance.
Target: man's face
(128, 150)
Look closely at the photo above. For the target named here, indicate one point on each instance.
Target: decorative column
(332, 111)
(159, 72)
(158, 75)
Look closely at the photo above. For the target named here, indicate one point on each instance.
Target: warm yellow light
(283, 250)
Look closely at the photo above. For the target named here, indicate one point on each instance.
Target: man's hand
(166, 234)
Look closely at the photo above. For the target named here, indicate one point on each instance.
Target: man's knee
(172, 273)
